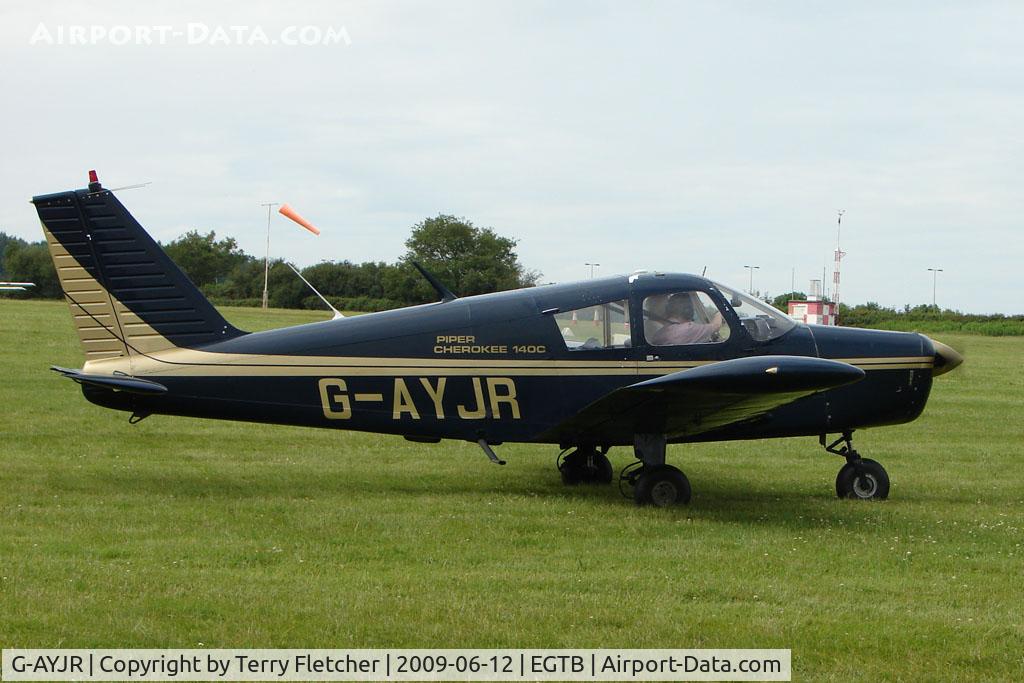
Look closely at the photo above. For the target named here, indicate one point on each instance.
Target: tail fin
(127, 297)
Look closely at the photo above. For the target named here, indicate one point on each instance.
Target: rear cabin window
(604, 326)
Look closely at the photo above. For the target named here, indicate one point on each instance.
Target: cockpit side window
(604, 326)
(685, 317)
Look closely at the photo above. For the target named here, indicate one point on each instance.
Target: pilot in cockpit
(682, 325)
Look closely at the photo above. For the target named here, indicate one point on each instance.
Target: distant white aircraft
(15, 286)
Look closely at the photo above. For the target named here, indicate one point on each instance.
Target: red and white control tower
(813, 311)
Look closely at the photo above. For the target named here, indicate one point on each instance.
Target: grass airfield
(189, 533)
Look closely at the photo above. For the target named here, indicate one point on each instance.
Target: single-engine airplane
(643, 360)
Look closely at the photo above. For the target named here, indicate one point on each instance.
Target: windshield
(763, 321)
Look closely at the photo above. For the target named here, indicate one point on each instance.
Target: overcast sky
(671, 136)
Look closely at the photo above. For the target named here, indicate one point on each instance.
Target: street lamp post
(935, 276)
(750, 289)
(592, 266)
(266, 259)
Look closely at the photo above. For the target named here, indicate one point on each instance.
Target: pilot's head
(679, 307)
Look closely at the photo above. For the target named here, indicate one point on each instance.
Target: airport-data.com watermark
(190, 34)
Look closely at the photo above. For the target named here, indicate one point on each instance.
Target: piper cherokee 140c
(643, 360)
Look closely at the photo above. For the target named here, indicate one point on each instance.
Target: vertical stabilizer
(126, 295)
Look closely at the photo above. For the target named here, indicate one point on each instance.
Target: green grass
(989, 328)
(189, 533)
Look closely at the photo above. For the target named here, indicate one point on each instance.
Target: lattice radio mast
(839, 258)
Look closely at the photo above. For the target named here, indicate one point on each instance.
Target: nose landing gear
(860, 478)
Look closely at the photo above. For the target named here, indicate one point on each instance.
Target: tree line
(468, 259)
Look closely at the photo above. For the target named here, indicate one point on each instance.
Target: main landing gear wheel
(585, 466)
(863, 479)
(661, 486)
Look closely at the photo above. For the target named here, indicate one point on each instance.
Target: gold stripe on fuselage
(193, 363)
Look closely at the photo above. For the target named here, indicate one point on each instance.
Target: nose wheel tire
(863, 480)
(662, 486)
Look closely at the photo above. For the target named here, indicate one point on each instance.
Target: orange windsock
(288, 212)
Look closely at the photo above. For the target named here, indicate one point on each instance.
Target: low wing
(711, 396)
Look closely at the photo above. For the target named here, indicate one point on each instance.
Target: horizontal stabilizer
(131, 385)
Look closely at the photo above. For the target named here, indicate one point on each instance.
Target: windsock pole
(266, 259)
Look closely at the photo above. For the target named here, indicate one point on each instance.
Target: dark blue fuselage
(497, 367)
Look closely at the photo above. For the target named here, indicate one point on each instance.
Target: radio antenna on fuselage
(446, 294)
(337, 313)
